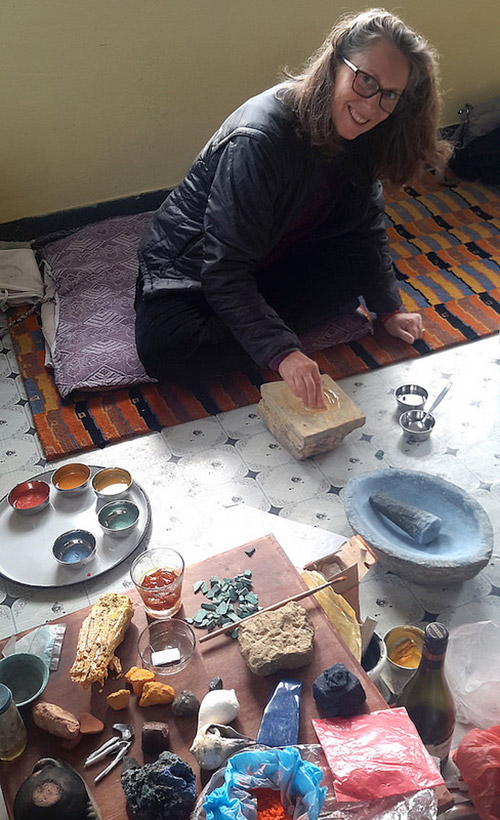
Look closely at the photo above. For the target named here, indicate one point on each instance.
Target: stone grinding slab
(302, 432)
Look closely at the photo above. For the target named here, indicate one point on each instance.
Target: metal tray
(26, 540)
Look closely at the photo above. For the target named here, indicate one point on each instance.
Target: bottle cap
(436, 637)
(5, 697)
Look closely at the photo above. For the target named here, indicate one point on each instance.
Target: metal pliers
(113, 745)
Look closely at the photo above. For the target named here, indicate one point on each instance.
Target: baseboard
(33, 227)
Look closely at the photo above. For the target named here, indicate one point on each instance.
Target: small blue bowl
(74, 549)
(26, 676)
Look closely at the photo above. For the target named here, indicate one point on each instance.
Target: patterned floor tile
(485, 609)
(14, 421)
(290, 483)
(37, 606)
(9, 393)
(483, 458)
(325, 511)
(242, 422)
(435, 598)
(210, 466)
(194, 436)
(20, 452)
(389, 600)
(355, 455)
(261, 450)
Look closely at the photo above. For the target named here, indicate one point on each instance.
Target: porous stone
(304, 432)
(282, 639)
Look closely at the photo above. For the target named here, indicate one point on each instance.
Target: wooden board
(274, 578)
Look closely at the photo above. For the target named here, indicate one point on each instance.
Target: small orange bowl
(29, 497)
(71, 479)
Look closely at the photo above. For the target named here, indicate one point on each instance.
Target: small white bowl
(112, 482)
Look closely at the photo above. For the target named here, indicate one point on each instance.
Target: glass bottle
(12, 729)
(427, 696)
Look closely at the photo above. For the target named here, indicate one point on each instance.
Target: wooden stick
(269, 608)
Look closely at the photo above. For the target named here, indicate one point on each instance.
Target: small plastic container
(166, 647)
(13, 736)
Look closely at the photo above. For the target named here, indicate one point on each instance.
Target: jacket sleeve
(383, 295)
(239, 233)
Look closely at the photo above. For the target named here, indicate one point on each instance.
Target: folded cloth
(20, 279)
(340, 329)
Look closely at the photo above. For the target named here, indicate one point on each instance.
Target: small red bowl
(29, 497)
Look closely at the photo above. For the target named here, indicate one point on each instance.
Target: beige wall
(102, 99)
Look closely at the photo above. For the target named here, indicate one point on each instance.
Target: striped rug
(445, 243)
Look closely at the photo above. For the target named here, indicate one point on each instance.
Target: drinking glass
(157, 575)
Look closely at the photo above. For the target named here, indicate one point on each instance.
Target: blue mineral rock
(280, 721)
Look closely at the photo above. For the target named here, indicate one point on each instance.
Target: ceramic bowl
(118, 518)
(29, 497)
(417, 424)
(111, 483)
(74, 549)
(395, 637)
(71, 479)
(25, 674)
(166, 647)
(410, 397)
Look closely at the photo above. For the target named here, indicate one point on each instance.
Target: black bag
(477, 142)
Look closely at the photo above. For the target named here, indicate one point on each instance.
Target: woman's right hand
(303, 378)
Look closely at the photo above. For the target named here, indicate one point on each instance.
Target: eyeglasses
(366, 86)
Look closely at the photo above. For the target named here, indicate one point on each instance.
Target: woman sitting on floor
(261, 252)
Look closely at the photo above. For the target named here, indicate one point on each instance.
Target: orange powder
(269, 805)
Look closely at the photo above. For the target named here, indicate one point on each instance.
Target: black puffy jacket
(250, 182)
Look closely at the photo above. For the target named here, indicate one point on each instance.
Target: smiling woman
(364, 97)
(261, 253)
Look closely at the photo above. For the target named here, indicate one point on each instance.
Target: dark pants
(178, 334)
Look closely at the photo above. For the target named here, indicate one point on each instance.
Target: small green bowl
(25, 674)
(118, 518)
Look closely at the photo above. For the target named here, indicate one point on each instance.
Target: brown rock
(155, 738)
(283, 639)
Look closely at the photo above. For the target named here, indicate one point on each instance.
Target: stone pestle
(419, 524)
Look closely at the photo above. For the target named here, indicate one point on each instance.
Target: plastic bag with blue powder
(284, 769)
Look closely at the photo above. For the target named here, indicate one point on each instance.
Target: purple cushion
(94, 271)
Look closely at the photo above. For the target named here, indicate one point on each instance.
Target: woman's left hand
(405, 326)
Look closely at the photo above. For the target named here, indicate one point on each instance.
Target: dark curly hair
(408, 140)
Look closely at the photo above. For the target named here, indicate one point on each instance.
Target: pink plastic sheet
(375, 755)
